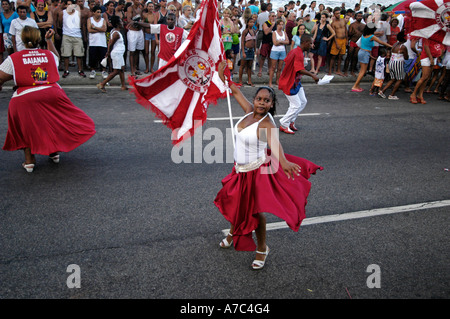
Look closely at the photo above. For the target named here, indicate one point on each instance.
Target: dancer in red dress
(41, 118)
(257, 183)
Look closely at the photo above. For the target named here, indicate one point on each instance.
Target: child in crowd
(381, 70)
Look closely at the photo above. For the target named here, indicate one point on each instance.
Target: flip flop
(357, 90)
(99, 86)
(413, 101)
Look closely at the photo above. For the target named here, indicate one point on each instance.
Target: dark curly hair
(273, 96)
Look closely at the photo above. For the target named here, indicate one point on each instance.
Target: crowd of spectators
(253, 32)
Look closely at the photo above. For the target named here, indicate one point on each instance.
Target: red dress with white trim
(258, 184)
(40, 115)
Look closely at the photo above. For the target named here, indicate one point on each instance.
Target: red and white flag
(431, 20)
(179, 93)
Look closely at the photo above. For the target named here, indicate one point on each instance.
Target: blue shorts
(149, 36)
(235, 48)
(249, 54)
(277, 55)
(363, 56)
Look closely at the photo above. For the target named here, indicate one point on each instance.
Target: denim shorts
(277, 55)
(249, 54)
(149, 36)
(363, 56)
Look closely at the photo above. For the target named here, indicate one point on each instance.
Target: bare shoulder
(267, 122)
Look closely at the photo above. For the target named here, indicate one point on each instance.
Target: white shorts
(135, 40)
(446, 61)
(117, 60)
(426, 62)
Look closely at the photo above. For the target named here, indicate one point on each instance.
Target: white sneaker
(93, 74)
(104, 74)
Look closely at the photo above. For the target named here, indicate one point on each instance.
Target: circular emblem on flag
(196, 70)
(430, 20)
(170, 37)
(443, 16)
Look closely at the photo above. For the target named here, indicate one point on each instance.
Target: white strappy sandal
(28, 167)
(224, 243)
(55, 158)
(259, 264)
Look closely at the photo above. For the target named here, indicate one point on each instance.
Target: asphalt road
(139, 225)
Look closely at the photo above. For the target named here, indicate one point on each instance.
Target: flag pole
(229, 111)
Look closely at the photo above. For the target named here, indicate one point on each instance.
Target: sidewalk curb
(74, 80)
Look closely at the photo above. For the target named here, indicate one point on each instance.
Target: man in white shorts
(135, 36)
(72, 39)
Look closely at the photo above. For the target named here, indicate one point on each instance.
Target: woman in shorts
(149, 16)
(430, 52)
(248, 46)
(6, 18)
(278, 51)
(367, 41)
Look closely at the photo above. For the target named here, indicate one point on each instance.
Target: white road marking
(239, 117)
(360, 214)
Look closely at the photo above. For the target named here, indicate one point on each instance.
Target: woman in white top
(116, 50)
(278, 51)
(256, 184)
(96, 26)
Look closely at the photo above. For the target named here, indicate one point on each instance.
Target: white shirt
(312, 12)
(262, 17)
(183, 20)
(71, 24)
(16, 29)
(386, 28)
(97, 39)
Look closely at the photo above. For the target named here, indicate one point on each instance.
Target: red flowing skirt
(47, 122)
(245, 195)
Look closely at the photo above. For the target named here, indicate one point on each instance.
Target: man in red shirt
(170, 37)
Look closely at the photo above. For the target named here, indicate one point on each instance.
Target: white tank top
(248, 148)
(280, 47)
(97, 39)
(119, 45)
(71, 24)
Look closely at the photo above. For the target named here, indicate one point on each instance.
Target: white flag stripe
(182, 48)
(446, 39)
(156, 79)
(168, 99)
(214, 50)
(187, 123)
(421, 11)
(426, 32)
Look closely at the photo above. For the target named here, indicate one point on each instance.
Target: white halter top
(248, 148)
